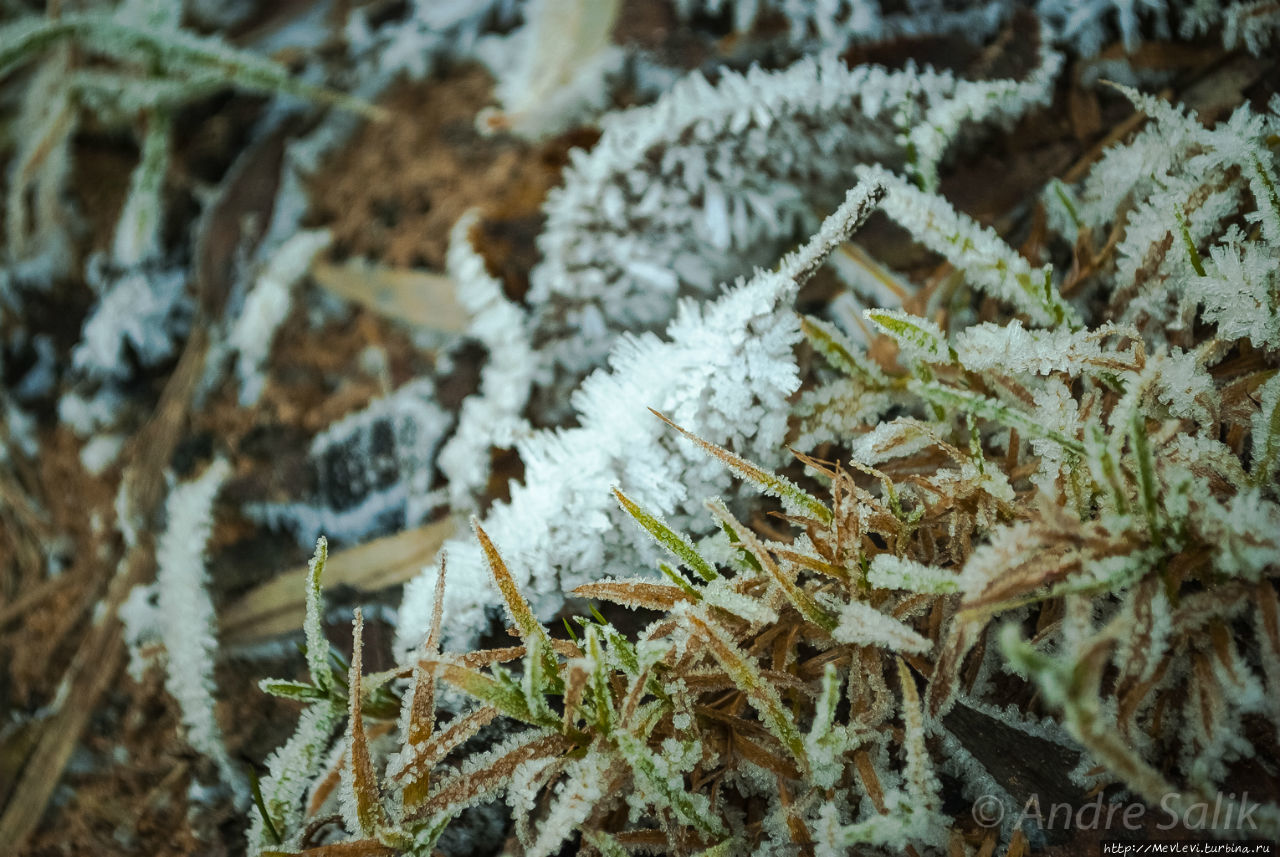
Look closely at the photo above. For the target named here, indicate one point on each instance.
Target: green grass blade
(794, 498)
(677, 544)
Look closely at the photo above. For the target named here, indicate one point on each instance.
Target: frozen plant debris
(562, 523)
(266, 306)
(373, 469)
(176, 611)
(684, 194)
(558, 67)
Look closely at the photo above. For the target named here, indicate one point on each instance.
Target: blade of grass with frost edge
(634, 594)
(370, 812)
(601, 689)
(285, 689)
(828, 342)
(990, 409)
(422, 705)
(517, 607)
(794, 498)
(445, 741)
(506, 696)
(677, 544)
(317, 646)
(900, 326)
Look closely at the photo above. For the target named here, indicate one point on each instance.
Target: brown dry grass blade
(369, 809)
(430, 754)
(633, 594)
(565, 648)
(648, 840)
(418, 297)
(870, 782)
(278, 606)
(758, 755)
(795, 824)
(575, 685)
(945, 680)
(239, 215)
(519, 609)
(359, 848)
(732, 720)
(1019, 846)
(812, 563)
(485, 657)
(1132, 699)
(432, 644)
(332, 777)
(422, 706)
(463, 788)
(325, 786)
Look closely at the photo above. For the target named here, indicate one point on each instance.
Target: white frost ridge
(177, 609)
(724, 373)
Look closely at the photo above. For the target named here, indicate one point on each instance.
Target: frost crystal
(184, 611)
(265, 308)
(492, 417)
(144, 311)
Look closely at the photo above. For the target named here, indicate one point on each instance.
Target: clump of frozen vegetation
(560, 526)
(679, 197)
(1073, 481)
(1053, 476)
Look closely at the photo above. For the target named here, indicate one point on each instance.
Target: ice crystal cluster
(701, 180)
(1086, 24)
(177, 613)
